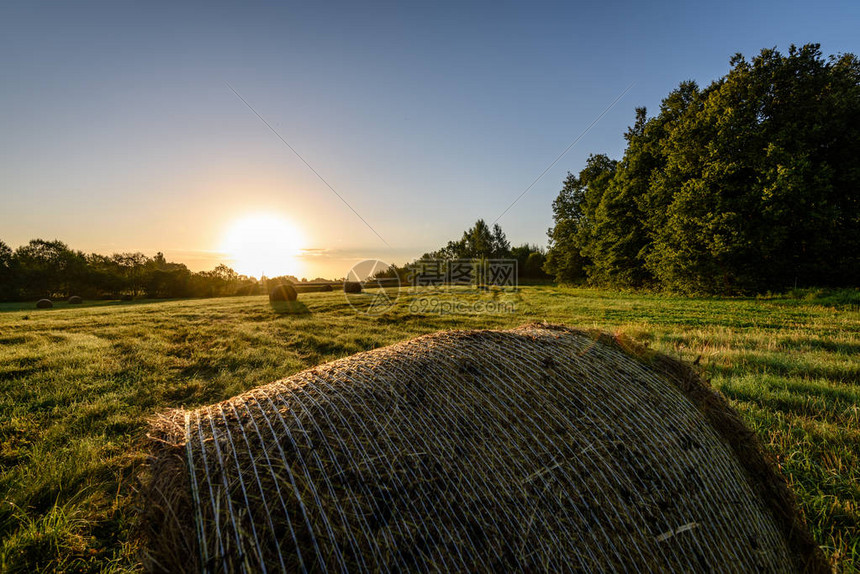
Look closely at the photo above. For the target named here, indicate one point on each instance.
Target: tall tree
(619, 239)
(132, 265)
(574, 216)
(8, 273)
(46, 267)
(501, 247)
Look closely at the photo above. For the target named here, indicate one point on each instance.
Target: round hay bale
(283, 293)
(537, 449)
(44, 304)
(351, 287)
(75, 300)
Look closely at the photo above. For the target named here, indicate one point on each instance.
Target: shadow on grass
(822, 405)
(814, 344)
(846, 298)
(289, 308)
(770, 365)
(87, 304)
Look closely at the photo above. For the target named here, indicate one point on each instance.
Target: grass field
(77, 385)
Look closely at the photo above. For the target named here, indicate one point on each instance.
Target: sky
(123, 125)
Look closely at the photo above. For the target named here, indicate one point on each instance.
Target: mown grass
(77, 384)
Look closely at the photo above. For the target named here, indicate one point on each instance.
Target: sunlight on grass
(77, 385)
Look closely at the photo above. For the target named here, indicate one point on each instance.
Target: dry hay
(75, 300)
(282, 293)
(44, 304)
(351, 287)
(537, 449)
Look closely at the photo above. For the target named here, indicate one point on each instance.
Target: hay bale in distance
(537, 449)
(351, 287)
(44, 304)
(75, 300)
(283, 293)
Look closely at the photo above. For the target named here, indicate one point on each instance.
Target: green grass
(77, 384)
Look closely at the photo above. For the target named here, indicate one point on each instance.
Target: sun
(263, 244)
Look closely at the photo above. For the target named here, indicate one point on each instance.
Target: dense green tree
(162, 278)
(131, 266)
(220, 281)
(482, 242)
(48, 268)
(750, 184)
(105, 276)
(765, 184)
(618, 237)
(8, 273)
(530, 261)
(501, 247)
(574, 215)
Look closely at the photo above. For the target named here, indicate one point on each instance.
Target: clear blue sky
(118, 131)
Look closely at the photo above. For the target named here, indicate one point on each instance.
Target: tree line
(480, 243)
(51, 269)
(749, 184)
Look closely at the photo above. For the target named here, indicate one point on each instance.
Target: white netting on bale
(537, 449)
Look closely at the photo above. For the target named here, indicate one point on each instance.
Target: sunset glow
(263, 244)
